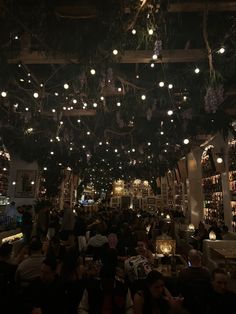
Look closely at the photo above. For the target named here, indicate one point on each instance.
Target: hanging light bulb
(102, 98)
(88, 133)
(170, 112)
(56, 94)
(137, 76)
(143, 97)
(155, 56)
(161, 84)
(118, 104)
(133, 31)
(95, 105)
(152, 65)
(66, 86)
(219, 160)
(119, 89)
(221, 50)
(186, 141)
(197, 70)
(92, 71)
(150, 31)
(74, 101)
(78, 120)
(170, 86)
(4, 94)
(115, 52)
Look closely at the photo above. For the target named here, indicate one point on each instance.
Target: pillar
(195, 193)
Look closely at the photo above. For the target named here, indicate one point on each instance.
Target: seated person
(154, 297)
(220, 299)
(142, 250)
(194, 283)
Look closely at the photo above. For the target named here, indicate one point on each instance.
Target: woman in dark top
(155, 298)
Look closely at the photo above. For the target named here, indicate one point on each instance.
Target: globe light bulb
(66, 86)
(155, 56)
(143, 97)
(102, 98)
(36, 95)
(161, 84)
(186, 141)
(170, 86)
(197, 70)
(219, 160)
(185, 98)
(150, 31)
(221, 50)
(74, 101)
(133, 31)
(92, 71)
(115, 52)
(170, 112)
(4, 94)
(95, 105)
(118, 104)
(152, 65)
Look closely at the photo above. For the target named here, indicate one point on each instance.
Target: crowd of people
(104, 262)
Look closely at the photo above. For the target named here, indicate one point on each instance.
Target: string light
(45, 168)
(61, 122)
(143, 97)
(150, 31)
(185, 98)
(92, 71)
(53, 110)
(74, 101)
(88, 133)
(219, 160)
(52, 153)
(170, 86)
(197, 70)
(22, 80)
(102, 98)
(36, 95)
(56, 94)
(137, 76)
(149, 144)
(100, 143)
(32, 182)
(26, 109)
(29, 81)
(161, 84)
(78, 120)
(115, 52)
(4, 94)
(95, 105)
(170, 112)
(41, 85)
(162, 133)
(13, 182)
(133, 31)
(133, 150)
(118, 104)
(116, 150)
(66, 86)
(16, 37)
(186, 141)
(119, 89)
(155, 56)
(221, 50)
(152, 65)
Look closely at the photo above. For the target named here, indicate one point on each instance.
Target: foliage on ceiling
(143, 112)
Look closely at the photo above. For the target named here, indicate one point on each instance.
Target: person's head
(141, 247)
(67, 205)
(195, 258)
(5, 250)
(219, 280)
(35, 245)
(48, 270)
(155, 283)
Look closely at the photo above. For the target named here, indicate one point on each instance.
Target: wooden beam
(72, 113)
(223, 6)
(132, 56)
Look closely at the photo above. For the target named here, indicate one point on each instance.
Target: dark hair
(153, 276)
(35, 244)
(217, 271)
(6, 249)
(51, 262)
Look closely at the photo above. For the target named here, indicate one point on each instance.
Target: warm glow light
(150, 31)
(102, 98)
(154, 57)
(66, 86)
(149, 143)
(191, 227)
(74, 101)
(197, 70)
(170, 86)
(133, 31)
(219, 160)
(118, 104)
(115, 52)
(92, 71)
(95, 105)
(143, 97)
(36, 95)
(212, 235)
(4, 94)
(32, 182)
(170, 112)
(13, 182)
(88, 133)
(186, 141)
(221, 50)
(161, 84)
(185, 98)
(152, 65)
